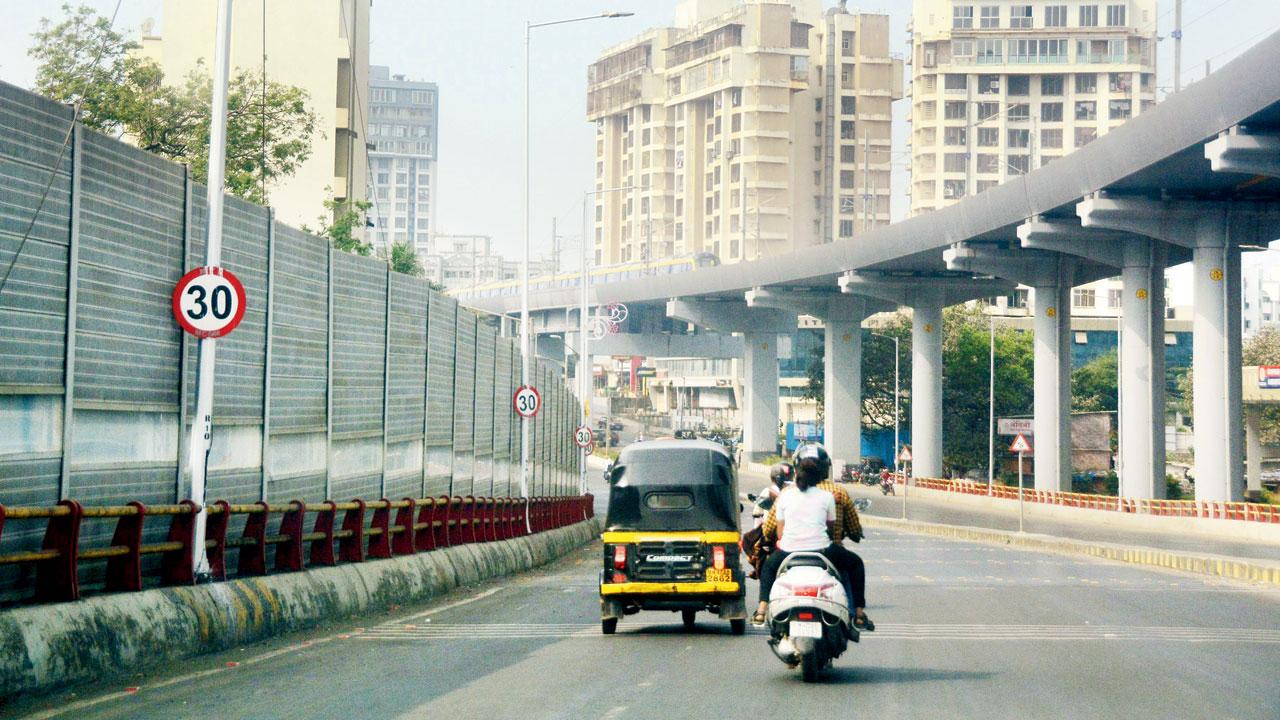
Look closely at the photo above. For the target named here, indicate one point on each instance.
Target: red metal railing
(1249, 512)
(339, 533)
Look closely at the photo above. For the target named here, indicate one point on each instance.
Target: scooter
(886, 483)
(808, 621)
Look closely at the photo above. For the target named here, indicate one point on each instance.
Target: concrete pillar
(926, 390)
(1142, 381)
(1216, 407)
(760, 390)
(1252, 428)
(1052, 391)
(842, 389)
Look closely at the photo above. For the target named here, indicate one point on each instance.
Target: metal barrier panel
(407, 374)
(482, 424)
(359, 344)
(440, 393)
(464, 384)
(502, 417)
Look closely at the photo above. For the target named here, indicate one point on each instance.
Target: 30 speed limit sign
(209, 302)
(583, 437)
(527, 401)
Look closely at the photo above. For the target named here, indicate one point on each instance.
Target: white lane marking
(302, 645)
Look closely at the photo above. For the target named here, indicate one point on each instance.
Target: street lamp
(524, 274)
(897, 395)
(584, 283)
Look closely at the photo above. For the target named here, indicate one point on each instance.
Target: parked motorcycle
(849, 473)
(808, 621)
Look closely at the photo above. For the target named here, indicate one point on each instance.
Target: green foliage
(1094, 385)
(341, 223)
(269, 130)
(403, 258)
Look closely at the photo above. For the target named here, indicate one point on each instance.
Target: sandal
(758, 619)
(862, 622)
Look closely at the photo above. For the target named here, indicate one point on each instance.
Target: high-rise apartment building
(321, 46)
(403, 119)
(749, 128)
(1001, 87)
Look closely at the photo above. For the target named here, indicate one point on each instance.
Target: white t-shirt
(805, 516)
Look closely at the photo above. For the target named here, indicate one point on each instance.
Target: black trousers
(851, 567)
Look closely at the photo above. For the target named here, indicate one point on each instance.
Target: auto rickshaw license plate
(722, 575)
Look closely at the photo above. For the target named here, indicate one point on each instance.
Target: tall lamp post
(524, 274)
(584, 284)
(897, 395)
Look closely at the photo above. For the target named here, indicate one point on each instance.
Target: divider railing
(1245, 511)
(339, 533)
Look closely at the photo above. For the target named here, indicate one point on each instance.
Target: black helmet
(814, 451)
(781, 474)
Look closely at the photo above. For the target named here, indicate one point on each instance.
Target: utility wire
(57, 166)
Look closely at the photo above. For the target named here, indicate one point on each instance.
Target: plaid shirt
(847, 524)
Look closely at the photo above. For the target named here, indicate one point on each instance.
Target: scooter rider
(813, 468)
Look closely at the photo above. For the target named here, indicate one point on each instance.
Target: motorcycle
(808, 620)
(886, 483)
(849, 474)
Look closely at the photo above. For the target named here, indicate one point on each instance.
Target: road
(965, 630)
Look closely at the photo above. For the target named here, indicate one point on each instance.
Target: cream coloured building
(747, 129)
(1001, 87)
(321, 46)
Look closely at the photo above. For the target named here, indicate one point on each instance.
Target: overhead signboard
(1015, 426)
(644, 371)
(1269, 377)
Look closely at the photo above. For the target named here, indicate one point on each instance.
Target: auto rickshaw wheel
(738, 626)
(688, 617)
(609, 625)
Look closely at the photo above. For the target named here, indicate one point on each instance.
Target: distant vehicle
(684, 434)
(871, 465)
(615, 425)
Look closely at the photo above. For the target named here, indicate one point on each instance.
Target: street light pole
(991, 405)
(897, 396)
(525, 359)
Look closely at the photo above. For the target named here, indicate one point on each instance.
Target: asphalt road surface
(964, 631)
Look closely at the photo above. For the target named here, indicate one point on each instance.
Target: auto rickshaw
(671, 539)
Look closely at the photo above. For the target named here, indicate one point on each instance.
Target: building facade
(1001, 87)
(404, 116)
(1260, 294)
(459, 262)
(321, 46)
(747, 129)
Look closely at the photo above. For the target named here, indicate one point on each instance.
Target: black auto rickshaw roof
(673, 485)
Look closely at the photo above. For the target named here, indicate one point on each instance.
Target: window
(990, 16)
(1120, 109)
(1084, 136)
(735, 97)
(989, 164)
(1051, 139)
(961, 48)
(847, 130)
(988, 137)
(1038, 51)
(1086, 110)
(1051, 85)
(1019, 164)
(955, 136)
(988, 84)
(846, 228)
(955, 162)
(846, 40)
(953, 189)
(990, 51)
(962, 16)
(1019, 111)
(1055, 16)
(735, 123)
(1120, 82)
(1019, 85)
(847, 154)
(1020, 16)
(988, 110)
(956, 82)
(956, 110)
(1113, 297)
(1051, 112)
(1082, 297)
(1115, 16)
(1087, 84)
(1019, 138)
(1088, 16)
(848, 105)
(848, 179)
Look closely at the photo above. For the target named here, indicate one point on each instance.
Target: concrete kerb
(46, 647)
(1227, 568)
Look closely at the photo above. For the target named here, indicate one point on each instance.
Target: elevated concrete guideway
(1195, 178)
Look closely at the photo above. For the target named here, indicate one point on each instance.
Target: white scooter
(808, 621)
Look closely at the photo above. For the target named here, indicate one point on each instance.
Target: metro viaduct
(1196, 179)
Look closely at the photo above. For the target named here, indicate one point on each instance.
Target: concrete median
(1227, 568)
(46, 647)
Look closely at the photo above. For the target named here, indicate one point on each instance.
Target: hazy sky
(474, 50)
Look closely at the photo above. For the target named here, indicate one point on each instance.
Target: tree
(403, 258)
(1094, 385)
(1264, 349)
(340, 224)
(82, 60)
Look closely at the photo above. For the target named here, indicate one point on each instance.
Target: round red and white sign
(583, 436)
(527, 401)
(209, 302)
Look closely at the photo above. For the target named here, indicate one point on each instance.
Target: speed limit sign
(527, 401)
(209, 302)
(583, 437)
